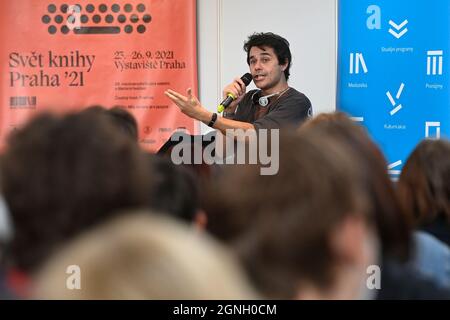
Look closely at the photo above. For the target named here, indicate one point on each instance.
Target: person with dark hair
(424, 188)
(123, 119)
(424, 192)
(303, 233)
(391, 222)
(273, 105)
(176, 191)
(404, 275)
(63, 175)
(330, 213)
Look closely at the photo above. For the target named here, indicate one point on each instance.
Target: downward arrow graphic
(397, 27)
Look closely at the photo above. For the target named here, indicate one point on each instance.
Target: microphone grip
(226, 103)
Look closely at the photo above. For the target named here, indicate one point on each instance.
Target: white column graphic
(435, 60)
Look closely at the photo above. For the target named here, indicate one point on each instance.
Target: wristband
(213, 120)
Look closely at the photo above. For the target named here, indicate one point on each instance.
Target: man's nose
(257, 65)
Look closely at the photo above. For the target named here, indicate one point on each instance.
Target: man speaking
(273, 105)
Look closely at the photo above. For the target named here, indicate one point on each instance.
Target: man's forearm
(223, 124)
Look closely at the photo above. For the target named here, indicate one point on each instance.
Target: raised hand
(189, 104)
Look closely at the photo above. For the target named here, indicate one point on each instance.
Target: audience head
(61, 175)
(125, 121)
(424, 184)
(121, 118)
(176, 191)
(303, 230)
(392, 225)
(144, 256)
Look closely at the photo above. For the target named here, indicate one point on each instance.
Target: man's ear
(284, 66)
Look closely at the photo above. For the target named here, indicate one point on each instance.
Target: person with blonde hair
(143, 256)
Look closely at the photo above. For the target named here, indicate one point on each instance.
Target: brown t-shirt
(290, 108)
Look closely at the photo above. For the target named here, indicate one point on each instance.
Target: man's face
(264, 66)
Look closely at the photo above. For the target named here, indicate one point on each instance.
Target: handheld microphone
(246, 78)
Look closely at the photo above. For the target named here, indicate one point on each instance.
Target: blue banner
(393, 71)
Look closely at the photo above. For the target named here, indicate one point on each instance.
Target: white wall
(309, 26)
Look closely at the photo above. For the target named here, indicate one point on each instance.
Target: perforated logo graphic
(101, 19)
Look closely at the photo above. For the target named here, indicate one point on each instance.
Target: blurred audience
(71, 186)
(63, 175)
(391, 222)
(431, 257)
(176, 191)
(238, 212)
(399, 280)
(424, 188)
(121, 118)
(145, 256)
(301, 234)
(424, 191)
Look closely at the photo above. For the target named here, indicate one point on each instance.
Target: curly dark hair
(62, 175)
(268, 39)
